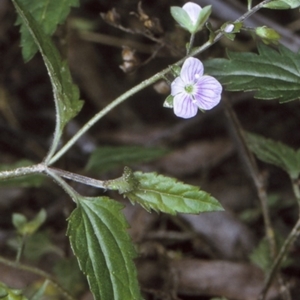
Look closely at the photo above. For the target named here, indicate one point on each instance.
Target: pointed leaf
(104, 159)
(66, 94)
(47, 14)
(272, 74)
(165, 194)
(275, 153)
(99, 238)
(283, 4)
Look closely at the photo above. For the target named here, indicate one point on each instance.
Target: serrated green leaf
(104, 159)
(283, 4)
(272, 74)
(66, 94)
(166, 194)
(35, 180)
(47, 14)
(275, 153)
(98, 234)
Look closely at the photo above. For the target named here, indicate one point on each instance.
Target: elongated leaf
(165, 194)
(283, 4)
(47, 14)
(97, 231)
(275, 153)
(66, 94)
(104, 159)
(272, 74)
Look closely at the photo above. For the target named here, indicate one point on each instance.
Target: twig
(38, 272)
(286, 245)
(259, 183)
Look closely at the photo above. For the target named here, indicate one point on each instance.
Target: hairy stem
(80, 178)
(22, 171)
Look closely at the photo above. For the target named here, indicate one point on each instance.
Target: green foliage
(261, 256)
(26, 228)
(104, 159)
(7, 293)
(167, 195)
(66, 94)
(272, 74)
(24, 181)
(181, 17)
(98, 234)
(69, 276)
(275, 153)
(283, 4)
(268, 35)
(47, 14)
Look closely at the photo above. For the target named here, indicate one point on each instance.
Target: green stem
(141, 86)
(80, 178)
(67, 188)
(190, 45)
(37, 272)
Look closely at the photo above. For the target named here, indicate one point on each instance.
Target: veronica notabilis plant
(193, 90)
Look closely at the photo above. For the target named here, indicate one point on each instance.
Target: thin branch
(38, 272)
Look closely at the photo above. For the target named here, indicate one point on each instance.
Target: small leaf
(47, 14)
(99, 238)
(104, 159)
(283, 4)
(182, 18)
(165, 194)
(168, 103)
(267, 34)
(275, 153)
(203, 17)
(28, 228)
(272, 74)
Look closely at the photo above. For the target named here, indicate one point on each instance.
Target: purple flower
(193, 90)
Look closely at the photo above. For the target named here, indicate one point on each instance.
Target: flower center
(189, 88)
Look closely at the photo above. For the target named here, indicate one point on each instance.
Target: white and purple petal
(177, 86)
(184, 107)
(193, 10)
(207, 92)
(192, 69)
